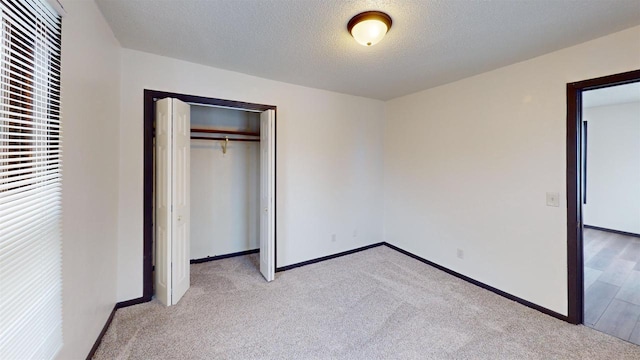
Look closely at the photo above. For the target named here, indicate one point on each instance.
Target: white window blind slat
(36, 158)
(51, 343)
(28, 226)
(24, 101)
(25, 33)
(44, 12)
(21, 291)
(18, 129)
(7, 201)
(32, 321)
(29, 170)
(21, 223)
(21, 62)
(46, 153)
(22, 331)
(49, 154)
(20, 179)
(28, 166)
(20, 65)
(32, 147)
(27, 119)
(30, 180)
(24, 222)
(20, 79)
(23, 140)
(37, 134)
(18, 88)
(28, 187)
(49, 338)
(22, 17)
(9, 244)
(27, 173)
(32, 207)
(20, 94)
(9, 182)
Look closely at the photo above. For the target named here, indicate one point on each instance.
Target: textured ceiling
(305, 42)
(612, 95)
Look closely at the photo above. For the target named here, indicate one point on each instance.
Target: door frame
(149, 113)
(575, 261)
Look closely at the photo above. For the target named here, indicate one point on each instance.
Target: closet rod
(216, 131)
(220, 138)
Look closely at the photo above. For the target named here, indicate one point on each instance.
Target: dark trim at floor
(349, 252)
(140, 300)
(104, 330)
(144, 299)
(482, 285)
(328, 257)
(225, 256)
(611, 230)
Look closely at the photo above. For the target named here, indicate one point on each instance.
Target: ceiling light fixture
(369, 27)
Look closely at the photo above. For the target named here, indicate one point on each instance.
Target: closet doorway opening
(603, 248)
(209, 187)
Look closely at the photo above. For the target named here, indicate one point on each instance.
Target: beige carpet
(375, 304)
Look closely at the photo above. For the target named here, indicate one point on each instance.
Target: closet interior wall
(225, 196)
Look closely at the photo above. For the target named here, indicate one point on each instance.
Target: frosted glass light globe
(369, 27)
(369, 32)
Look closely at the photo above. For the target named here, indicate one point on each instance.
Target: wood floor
(612, 284)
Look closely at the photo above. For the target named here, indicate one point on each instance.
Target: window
(30, 180)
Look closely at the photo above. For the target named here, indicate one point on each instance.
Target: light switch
(553, 199)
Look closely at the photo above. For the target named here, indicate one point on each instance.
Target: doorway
(267, 114)
(603, 250)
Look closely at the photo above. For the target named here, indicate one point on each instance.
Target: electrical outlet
(333, 238)
(460, 254)
(553, 199)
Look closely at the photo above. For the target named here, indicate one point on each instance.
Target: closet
(225, 181)
(214, 189)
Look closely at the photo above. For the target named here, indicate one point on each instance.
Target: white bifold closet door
(267, 194)
(172, 150)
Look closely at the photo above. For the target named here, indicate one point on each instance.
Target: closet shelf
(230, 132)
(221, 138)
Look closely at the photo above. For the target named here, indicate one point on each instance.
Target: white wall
(467, 166)
(225, 188)
(329, 173)
(90, 112)
(613, 167)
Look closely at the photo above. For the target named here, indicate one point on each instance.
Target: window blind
(30, 180)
